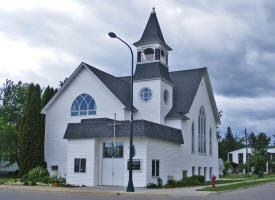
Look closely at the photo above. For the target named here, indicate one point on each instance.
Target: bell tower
(152, 47)
(153, 88)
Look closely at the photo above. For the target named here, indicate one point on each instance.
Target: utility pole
(246, 157)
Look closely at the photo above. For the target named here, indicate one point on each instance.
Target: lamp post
(130, 187)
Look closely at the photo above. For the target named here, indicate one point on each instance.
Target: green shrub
(183, 182)
(26, 182)
(38, 174)
(197, 180)
(159, 182)
(201, 179)
(152, 186)
(170, 180)
(259, 163)
(55, 179)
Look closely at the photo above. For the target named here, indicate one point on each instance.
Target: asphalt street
(262, 192)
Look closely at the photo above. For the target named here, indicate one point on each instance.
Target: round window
(145, 94)
(165, 96)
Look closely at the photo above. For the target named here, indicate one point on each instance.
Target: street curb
(241, 188)
(84, 192)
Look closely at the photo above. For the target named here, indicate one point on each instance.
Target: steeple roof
(152, 32)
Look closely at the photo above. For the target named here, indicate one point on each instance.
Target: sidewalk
(116, 190)
(113, 190)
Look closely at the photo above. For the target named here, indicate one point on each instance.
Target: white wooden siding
(81, 148)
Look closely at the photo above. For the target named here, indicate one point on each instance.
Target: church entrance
(112, 164)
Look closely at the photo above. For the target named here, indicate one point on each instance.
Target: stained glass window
(84, 104)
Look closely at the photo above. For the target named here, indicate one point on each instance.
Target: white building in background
(175, 119)
(239, 157)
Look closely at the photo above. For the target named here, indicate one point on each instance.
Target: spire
(152, 32)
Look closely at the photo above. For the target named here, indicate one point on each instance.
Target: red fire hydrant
(213, 180)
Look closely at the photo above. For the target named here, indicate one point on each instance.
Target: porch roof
(103, 128)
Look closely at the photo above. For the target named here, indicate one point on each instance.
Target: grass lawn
(224, 181)
(5, 177)
(236, 186)
(251, 177)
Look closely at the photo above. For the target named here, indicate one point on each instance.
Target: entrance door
(112, 163)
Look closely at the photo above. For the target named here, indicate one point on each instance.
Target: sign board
(136, 165)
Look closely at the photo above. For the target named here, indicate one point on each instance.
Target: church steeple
(152, 46)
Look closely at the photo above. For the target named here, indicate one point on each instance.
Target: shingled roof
(186, 84)
(120, 88)
(152, 32)
(151, 70)
(103, 128)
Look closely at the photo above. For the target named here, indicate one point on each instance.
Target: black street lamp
(130, 187)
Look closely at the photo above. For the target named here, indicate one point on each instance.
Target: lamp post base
(130, 187)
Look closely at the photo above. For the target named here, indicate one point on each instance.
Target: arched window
(193, 137)
(148, 54)
(210, 141)
(201, 129)
(84, 104)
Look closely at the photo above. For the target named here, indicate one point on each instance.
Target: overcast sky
(44, 41)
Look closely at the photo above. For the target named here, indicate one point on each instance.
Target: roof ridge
(184, 70)
(117, 86)
(106, 73)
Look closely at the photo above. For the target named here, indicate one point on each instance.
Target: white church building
(175, 119)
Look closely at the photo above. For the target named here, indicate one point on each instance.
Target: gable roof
(152, 32)
(186, 84)
(119, 87)
(103, 127)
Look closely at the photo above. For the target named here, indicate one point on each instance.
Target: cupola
(152, 47)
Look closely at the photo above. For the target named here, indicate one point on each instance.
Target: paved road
(262, 192)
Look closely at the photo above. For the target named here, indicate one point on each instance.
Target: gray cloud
(234, 39)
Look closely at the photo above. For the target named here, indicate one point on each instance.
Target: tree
(259, 145)
(258, 162)
(229, 143)
(12, 101)
(219, 137)
(9, 143)
(30, 140)
(251, 139)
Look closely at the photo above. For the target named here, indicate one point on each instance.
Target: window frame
(202, 131)
(199, 171)
(109, 149)
(193, 170)
(81, 165)
(155, 168)
(210, 142)
(141, 95)
(86, 100)
(205, 172)
(193, 138)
